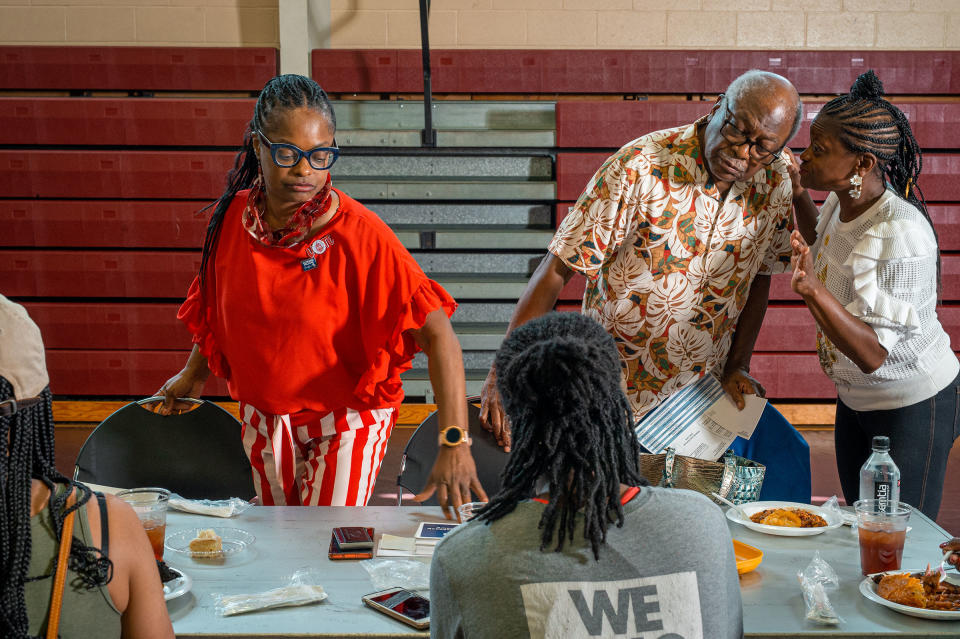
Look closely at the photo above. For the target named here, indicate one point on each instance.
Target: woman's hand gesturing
(804, 282)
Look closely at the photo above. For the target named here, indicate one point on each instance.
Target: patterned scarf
(296, 230)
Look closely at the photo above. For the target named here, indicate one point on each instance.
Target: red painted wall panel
(102, 223)
(137, 68)
(98, 274)
(124, 121)
(114, 174)
(356, 71)
(110, 326)
(629, 71)
(118, 372)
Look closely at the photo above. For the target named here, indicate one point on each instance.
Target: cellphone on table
(401, 604)
(351, 542)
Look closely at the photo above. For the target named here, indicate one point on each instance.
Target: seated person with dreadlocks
(542, 558)
(112, 586)
(868, 267)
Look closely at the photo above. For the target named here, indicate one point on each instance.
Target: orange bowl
(748, 557)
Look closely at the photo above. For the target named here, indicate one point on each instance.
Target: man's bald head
(774, 91)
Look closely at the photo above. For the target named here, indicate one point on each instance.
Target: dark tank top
(85, 613)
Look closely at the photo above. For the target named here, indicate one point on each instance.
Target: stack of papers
(421, 545)
(699, 421)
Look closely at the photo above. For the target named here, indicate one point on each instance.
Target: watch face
(453, 435)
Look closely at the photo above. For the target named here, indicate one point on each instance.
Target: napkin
(214, 508)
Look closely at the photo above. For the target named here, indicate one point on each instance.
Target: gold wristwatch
(454, 436)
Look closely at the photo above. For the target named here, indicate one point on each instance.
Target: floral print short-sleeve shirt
(669, 263)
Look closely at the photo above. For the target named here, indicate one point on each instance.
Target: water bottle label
(881, 492)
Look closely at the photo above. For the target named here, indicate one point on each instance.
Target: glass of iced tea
(882, 526)
(150, 504)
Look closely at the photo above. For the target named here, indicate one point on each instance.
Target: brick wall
(648, 24)
(140, 22)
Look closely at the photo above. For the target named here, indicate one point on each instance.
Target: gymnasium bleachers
(107, 153)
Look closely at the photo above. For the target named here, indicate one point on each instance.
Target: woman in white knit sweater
(867, 265)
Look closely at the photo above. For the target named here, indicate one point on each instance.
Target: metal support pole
(428, 136)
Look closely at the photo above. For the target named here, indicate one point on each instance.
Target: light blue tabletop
(290, 538)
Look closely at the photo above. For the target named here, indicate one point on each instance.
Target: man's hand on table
(453, 476)
(492, 415)
(737, 382)
(954, 557)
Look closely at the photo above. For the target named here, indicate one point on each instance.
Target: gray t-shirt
(668, 573)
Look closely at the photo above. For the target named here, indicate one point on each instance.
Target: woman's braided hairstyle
(559, 379)
(29, 454)
(283, 92)
(870, 124)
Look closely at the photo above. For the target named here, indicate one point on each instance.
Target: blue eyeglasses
(287, 155)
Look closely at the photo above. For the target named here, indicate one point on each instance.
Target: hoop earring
(856, 182)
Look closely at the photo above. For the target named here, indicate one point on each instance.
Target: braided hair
(870, 124)
(281, 93)
(29, 454)
(559, 378)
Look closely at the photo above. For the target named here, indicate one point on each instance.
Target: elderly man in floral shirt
(677, 235)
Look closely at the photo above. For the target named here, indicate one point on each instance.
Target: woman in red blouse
(310, 308)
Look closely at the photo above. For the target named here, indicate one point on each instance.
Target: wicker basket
(735, 478)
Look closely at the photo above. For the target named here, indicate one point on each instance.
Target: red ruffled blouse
(289, 336)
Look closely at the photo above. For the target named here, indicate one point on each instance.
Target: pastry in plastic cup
(469, 510)
(882, 527)
(150, 504)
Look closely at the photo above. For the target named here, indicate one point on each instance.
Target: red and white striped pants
(331, 460)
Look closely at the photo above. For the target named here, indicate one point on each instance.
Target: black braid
(559, 378)
(30, 455)
(870, 124)
(282, 92)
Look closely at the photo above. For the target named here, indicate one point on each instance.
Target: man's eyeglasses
(759, 152)
(287, 155)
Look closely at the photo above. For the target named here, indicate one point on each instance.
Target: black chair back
(421, 452)
(197, 454)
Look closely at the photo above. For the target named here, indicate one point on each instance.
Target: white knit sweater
(882, 267)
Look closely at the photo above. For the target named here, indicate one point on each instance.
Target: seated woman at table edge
(867, 265)
(542, 558)
(112, 586)
(310, 308)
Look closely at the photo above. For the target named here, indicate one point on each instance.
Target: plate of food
(786, 518)
(175, 582)
(207, 543)
(926, 594)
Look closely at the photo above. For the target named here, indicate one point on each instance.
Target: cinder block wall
(650, 24)
(140, 22)
(504, 24)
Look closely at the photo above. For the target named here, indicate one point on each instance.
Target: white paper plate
(177, 587)
(234, 540)
(869, 590)
(833, 520)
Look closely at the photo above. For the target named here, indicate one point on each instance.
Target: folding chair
(197, 453)
(421, 452)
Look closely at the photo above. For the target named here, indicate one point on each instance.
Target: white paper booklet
(699, 421)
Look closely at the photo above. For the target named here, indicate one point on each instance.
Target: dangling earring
(856, 181)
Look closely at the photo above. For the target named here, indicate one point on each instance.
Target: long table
(291, 538)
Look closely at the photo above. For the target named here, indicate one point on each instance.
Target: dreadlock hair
(559, 379)
(870, 124)
(29, 454)
(281, 93)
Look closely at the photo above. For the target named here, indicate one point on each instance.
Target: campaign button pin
(308, 264)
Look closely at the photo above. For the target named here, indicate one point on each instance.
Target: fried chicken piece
(903, 589)
(782, 517)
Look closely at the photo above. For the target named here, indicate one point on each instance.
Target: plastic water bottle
(879, 476)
